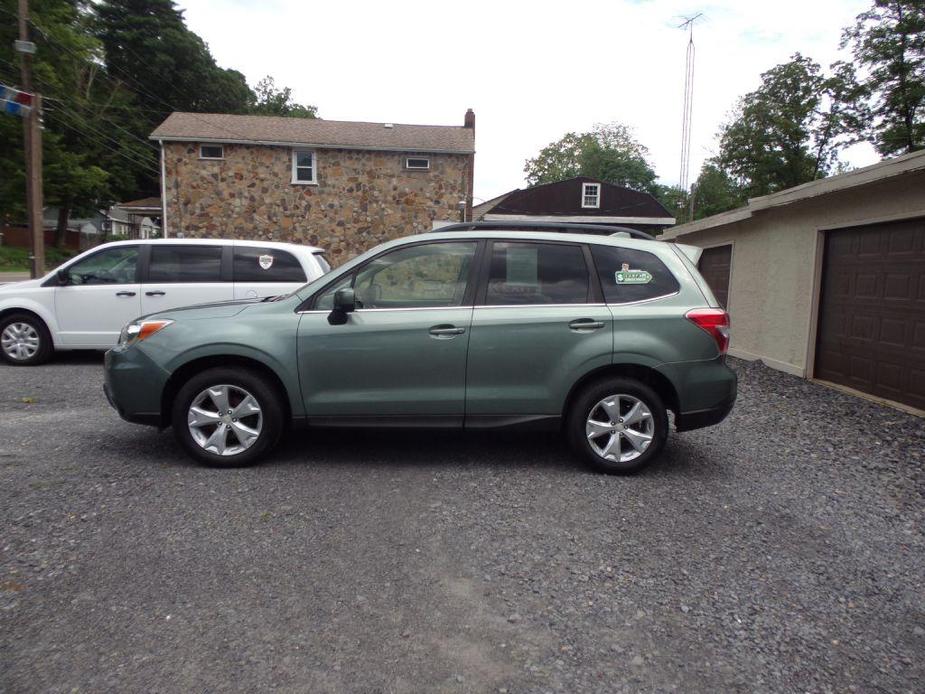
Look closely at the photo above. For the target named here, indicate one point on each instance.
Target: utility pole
(32, 137)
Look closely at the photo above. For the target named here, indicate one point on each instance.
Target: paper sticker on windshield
(266, 261)
(627, 276)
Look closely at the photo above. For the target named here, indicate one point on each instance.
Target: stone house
(341, 185)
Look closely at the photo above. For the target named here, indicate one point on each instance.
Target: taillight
(715, 321)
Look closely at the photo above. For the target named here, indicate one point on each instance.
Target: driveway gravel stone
(779, 551)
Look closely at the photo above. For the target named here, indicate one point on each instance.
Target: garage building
(827, 280)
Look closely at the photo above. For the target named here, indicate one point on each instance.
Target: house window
(417, 163)
(590, 194)
(211, 151)
(304, 169)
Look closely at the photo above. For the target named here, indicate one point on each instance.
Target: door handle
(446, 331)
(585, 325)
(125, 293)
(155, 293)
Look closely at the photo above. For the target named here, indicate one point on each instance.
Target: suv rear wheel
(227, 417)
(24, 340)
(618, 425)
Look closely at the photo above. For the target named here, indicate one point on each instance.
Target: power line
(96, 140)
(687, 24)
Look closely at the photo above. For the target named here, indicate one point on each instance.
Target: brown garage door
(872, 312)
(714, 266)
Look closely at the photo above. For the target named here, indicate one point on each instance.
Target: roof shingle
(315, 132)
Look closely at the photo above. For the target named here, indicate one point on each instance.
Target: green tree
(271, 101)
(715, 192)
(889, 41)
(608, 152)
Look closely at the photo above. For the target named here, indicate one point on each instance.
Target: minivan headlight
(136, 331)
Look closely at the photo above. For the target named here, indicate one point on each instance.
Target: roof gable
(563, 198)
(315, 132)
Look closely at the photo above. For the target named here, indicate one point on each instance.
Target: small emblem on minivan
(627, 276)
(266, 261)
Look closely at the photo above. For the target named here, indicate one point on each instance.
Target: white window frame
(295, 181)
(585, 195)
(417, 168)
(211, 144)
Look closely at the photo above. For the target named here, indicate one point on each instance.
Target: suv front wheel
(618, 425)
(227, 417)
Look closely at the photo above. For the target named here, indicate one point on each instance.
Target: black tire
(588, 400)
(269, 400)
(45, 348)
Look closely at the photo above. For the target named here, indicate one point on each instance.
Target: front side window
(537, 273)
(590, 195)
(253, 264)
(304, 169)
(211, 152)
(113, 266)
(630, 275)
(424, 276)
(185, 264)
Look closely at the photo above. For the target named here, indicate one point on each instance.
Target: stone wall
(362, 198)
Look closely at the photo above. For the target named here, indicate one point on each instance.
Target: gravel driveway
(779, 551)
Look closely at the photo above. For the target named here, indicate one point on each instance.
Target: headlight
(141, 330)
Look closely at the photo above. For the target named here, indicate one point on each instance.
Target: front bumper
(133, 385)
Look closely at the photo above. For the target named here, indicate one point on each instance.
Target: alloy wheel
(20, 341)
(225, 420)
(620, 428)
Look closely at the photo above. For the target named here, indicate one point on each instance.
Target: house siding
(362, 198)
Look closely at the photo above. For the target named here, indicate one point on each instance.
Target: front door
(537, 325)
(102, 295)
(402, 353)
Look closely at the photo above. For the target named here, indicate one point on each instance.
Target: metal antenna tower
(688, 24)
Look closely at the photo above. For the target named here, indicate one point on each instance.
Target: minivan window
(252, 264)
(632, 275)
(537, 273)
(113, 266)
(185, 264)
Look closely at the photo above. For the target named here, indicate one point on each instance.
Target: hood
(19, 285)
(219, 309)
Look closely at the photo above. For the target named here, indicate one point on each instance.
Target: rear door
(184, 275)
(263, 271)
(539, 319)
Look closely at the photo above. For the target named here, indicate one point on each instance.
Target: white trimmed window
(211, 151)
(591, 195)
(304, 167)
(417, 163)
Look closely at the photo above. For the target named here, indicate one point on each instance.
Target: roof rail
(527, 225)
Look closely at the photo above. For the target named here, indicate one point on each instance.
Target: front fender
(15, 303)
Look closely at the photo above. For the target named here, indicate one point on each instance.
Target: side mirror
(64, 277)
(344, 303)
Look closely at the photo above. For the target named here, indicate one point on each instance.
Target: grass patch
(13, 259)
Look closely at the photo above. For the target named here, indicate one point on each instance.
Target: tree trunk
(61, 230)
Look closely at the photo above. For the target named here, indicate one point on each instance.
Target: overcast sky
(532, 71)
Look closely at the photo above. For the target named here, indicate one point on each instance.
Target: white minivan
(85, 302)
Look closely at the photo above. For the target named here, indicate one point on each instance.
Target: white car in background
(85, 302)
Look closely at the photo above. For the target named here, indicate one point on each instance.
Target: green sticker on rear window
(628, 276)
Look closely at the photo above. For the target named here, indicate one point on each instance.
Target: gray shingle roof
(223, 127)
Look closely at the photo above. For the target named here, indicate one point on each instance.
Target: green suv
(468, 327)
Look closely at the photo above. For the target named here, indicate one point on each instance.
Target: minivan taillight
(715, 321)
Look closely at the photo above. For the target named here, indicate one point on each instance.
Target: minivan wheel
(618, 425)
(227, 417)
(24, 340)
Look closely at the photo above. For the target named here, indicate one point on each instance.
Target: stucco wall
(773, 286)
(362, 198)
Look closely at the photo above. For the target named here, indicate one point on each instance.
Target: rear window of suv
(254, 264)
(629, 275)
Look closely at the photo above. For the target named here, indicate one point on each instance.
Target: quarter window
(185, 264)
(537, 273)
(266, 265)
(630, 275)
(113, 266)
(304, 169)
(211, 152)
(590, 195)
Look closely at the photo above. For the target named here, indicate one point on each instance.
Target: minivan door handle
(445, 332)
(585, 325)
(157, 292)
(125, 293)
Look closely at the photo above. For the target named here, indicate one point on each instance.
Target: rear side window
(632, 275)
(537, 273)
(185, 264)
(266, 265)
